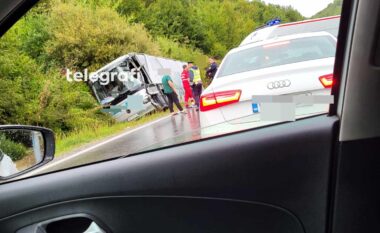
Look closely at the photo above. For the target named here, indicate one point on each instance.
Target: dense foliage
(79, 34)
(15, 151)
(212, 26)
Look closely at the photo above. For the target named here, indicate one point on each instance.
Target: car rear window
(278, 53)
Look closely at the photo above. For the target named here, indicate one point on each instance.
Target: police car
(300, 64)
(274, 29)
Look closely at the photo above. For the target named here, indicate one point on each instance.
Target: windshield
(115, 82)
(114, 78)
(278, 53)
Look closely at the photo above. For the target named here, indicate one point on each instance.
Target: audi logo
(279, 84)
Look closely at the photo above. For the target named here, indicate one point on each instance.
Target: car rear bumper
(242, 112)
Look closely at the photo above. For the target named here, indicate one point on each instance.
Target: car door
(294, 177)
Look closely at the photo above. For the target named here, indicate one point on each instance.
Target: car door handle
(77, 223)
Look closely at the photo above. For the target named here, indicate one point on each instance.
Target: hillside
(333, 8)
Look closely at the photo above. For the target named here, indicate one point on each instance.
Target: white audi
(300, 64)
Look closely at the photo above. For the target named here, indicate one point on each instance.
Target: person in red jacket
(185, 76)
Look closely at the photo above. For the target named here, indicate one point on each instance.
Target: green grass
(69, 142)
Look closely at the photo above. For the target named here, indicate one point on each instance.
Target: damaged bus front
(130, 86)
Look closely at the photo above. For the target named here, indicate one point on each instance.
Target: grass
(74, 140)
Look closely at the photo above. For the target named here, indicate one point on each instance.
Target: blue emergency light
(273, 22)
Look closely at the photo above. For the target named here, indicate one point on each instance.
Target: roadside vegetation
(333, 8)
(15, 151)
(80, 34)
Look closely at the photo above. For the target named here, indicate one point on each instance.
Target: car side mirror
(23, 149)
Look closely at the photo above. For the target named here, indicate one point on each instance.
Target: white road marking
(54, 163)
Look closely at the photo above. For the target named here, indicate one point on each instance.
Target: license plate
(302, 104)
(255, 108)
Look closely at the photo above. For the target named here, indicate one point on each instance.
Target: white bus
(142, 91)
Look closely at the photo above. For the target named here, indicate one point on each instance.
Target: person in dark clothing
(191, 76)
(171, 93)
(211, 70)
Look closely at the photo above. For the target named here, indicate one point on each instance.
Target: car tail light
(327, 80)
(219, 99)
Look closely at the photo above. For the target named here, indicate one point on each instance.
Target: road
(166, 131)
(163, 132)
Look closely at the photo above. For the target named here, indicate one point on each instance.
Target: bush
(15, 151)
(67, 106)
(19, 87)
(174, 20)
(33, 34)
(181, 52)
(87, 38)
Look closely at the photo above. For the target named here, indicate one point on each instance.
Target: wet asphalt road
(167, 131)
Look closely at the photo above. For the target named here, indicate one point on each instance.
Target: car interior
(315, 175)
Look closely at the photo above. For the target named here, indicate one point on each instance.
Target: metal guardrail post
(37, 146)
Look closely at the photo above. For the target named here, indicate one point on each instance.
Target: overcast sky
(306, 7)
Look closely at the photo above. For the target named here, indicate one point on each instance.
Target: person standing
(211, 70)
(191, 77)
(185, 76)
(195, 75)
(171, 93)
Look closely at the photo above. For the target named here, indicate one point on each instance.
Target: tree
(214, 26)
(333, 8)
(172, 19)
(130, 7)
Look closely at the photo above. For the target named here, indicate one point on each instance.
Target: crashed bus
(140, 91)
